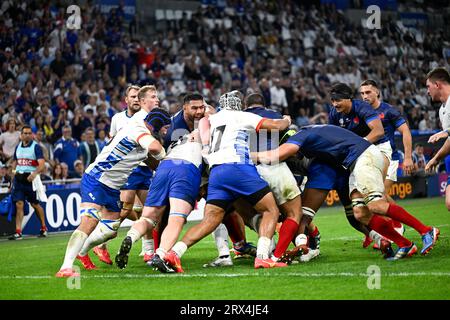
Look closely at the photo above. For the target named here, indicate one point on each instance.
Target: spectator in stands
(89, 149)
(419, 159)
(65, 172)
(45, 174)
(66, 148)
(5, 179)
(47, 149)
(79, 170)
(57, 173)
(9, 141)
(102, 138)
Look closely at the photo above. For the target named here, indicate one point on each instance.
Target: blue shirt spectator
(66, 148)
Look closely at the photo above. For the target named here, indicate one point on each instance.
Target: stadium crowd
(67, 84)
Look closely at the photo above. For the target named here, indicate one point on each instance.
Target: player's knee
(126, 210)
(358, 205)
(309, 212)
(375, 203)
(152, 223)
(92, 213)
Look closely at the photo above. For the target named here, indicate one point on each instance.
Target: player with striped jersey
(101, 183)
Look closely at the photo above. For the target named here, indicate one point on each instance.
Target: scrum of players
(251, 168)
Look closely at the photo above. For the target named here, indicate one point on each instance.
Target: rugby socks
(148, 246)
(74, 246)
(220, 236)
(234, 228)
(396, 212)
(385, 228)
(100, 235)
(180, 248)
(263, 247)
(155, 234)
(161, 253)
(134, 235)
(288, 231)
(315, 232)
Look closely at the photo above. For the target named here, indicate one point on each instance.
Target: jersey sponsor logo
(27, 162)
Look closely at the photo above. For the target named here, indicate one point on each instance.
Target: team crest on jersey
(356, 120)
(382, 115)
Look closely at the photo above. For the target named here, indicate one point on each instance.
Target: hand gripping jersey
(123, 154)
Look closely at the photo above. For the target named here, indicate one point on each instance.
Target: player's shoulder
(361, 105)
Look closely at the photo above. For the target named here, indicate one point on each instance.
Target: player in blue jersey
(392, 121)
(365, 162)
(233, 175)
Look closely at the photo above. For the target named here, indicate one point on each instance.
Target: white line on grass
(237, 275)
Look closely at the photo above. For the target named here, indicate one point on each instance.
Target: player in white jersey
(139, 103)
(101, 183)
(438, 85)
(102, 234)
(176, 184)
(232, 175)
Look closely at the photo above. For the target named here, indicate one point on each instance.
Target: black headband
(340, 96)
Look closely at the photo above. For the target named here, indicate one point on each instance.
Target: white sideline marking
(236, 275)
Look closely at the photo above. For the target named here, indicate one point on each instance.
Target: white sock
(134, 234)
(179, 248)
(148, 246)
(263, 247)
(100, 235)
(273, 245)
(375, 236)
(161, 253)
(74, 246)
(220, 236)
(301, 239)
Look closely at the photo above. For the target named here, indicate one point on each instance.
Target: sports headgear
(231, 101)
(158, 118)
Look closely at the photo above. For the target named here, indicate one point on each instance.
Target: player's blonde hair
(131, 87)
(143, 91)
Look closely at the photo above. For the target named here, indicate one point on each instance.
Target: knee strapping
(358, 202)
(373, 197)
(112, 225)
(150, 221)
(91, 213)
(309, 212)
(177, 214)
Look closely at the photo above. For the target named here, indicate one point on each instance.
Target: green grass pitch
(27, 269)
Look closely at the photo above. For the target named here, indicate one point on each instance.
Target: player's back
(187, 148)
(230, 132)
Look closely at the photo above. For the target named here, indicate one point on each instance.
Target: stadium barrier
(62, 208)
